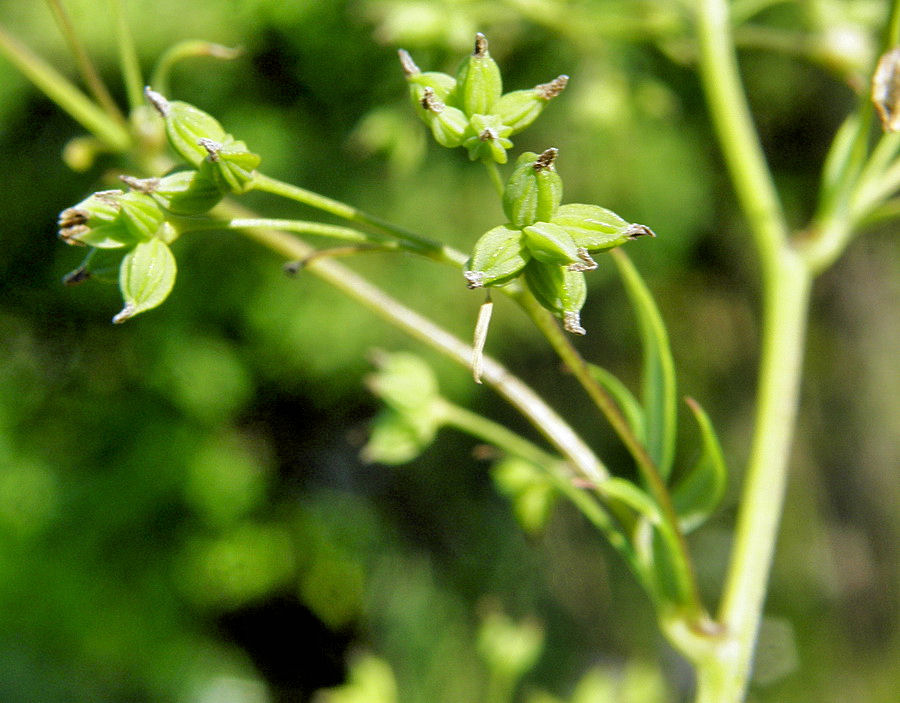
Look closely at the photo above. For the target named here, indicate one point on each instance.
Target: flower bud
(595, 228)
(229, 164)
(488, 139)
(499, 256)
(519, 108)
(186, 126)
(534, 191)
(560, 290)
(478, 80)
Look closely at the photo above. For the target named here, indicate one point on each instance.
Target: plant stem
(523, 398)
(414, 242)
(546, 323)
(85, 65)
(128, 58)
(61, 91)
(723, 672)
(496, 178)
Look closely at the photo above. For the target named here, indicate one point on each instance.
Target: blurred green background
(183, 512)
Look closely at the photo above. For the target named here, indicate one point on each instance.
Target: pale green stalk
(128, 58)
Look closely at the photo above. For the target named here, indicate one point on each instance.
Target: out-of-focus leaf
(531, 492)
(659, 369)
(625, 399)
(631, 495)
(398, 439)
(700, 490)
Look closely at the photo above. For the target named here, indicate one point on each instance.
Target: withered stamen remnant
(430, 101)
(212, 147)
(158, 101)
(545, 160)
(408, 65)
(634, 231)
(487, 135)
(553, 88)
(142, 185)
(886, 90)
(481, 46)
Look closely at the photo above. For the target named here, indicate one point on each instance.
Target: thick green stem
(723, 671)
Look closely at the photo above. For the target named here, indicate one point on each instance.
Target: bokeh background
(184, 515)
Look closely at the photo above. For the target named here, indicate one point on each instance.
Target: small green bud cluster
(546, 243)
(143, 221)
(471, 110)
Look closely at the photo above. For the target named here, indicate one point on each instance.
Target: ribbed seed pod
(551, 244)
(534, 191)
(519, 108)
(560, 290)
(499, 256)
(186, 126)
(478, 81)
(595, 228)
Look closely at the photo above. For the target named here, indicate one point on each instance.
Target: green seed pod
(488, 139)
(186, 192)
(478, 80)
(560, 290)
(97, 222)
(146, 277)
(534, 191)
(551, 244)
(595, 228)
(519, 108)
(230, 165)
(499, 256)
(186, 126)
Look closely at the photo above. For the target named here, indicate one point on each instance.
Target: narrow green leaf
(659, 369)
(699, 492)
(627, 493)
(146, 277)
(624, 398)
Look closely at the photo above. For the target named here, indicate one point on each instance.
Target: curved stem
(496, 178)
(522, 397)
(564, 348)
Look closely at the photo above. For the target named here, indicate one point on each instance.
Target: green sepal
(595, 228)
(499, 256)
(146, 277)
(550, 243)
(229, 164)
(534, 190)
(488, 139)
(478, 81)
(699, 492)
(519, 108)
(559, 290)
(187, 192)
